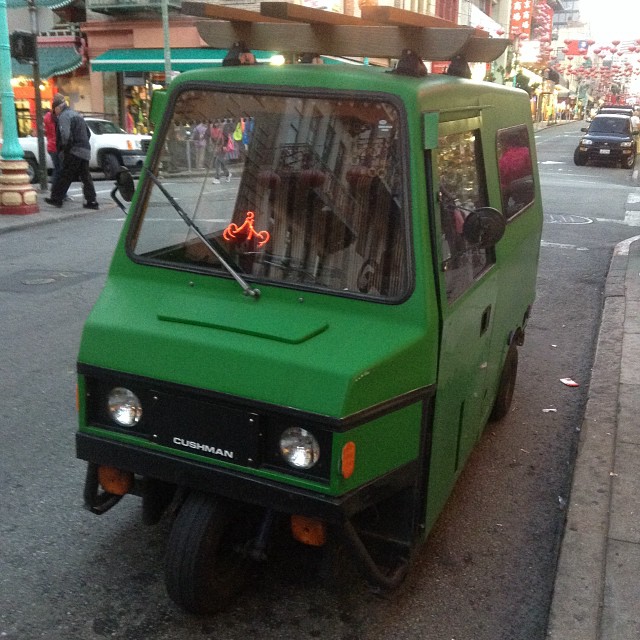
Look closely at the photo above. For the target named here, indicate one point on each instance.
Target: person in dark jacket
(72, 135)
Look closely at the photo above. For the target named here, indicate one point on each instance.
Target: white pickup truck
(111, 148)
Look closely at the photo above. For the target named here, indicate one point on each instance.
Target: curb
(579, 590)
(48, 215)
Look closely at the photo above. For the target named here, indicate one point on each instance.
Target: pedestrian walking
(72, 136)
(219, 142)
(200, 139)
(52, 146)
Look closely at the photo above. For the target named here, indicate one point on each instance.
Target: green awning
(54, 61)
(152, 60)
(49, 4)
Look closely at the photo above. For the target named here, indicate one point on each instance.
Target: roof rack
(381, 32)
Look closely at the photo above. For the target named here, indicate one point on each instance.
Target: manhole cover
(569, 219)
(41, 280)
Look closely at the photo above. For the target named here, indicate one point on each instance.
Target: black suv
(609, 139)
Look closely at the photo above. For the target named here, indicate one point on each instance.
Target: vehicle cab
(318, 341)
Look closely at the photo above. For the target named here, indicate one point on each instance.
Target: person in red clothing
(52, 147)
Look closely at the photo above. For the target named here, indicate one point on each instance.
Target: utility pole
(167, 45)
(42, 160)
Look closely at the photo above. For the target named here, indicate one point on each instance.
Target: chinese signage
(521, 12)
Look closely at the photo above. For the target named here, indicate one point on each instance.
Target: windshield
(296, 191)
(617, 126)
(104, 126)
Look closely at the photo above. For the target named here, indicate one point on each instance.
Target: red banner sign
(521, 13)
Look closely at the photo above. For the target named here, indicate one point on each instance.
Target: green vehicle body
(411, 381)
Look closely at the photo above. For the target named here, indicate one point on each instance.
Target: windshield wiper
(217, 252)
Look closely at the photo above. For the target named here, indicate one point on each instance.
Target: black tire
(32, 170)
(506, 385)
(580, 159)
(203, 571)
(630, 162)
(110, 165)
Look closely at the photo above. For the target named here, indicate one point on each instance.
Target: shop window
(462, 189)
(515, 169)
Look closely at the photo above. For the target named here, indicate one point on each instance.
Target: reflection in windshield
(298, 191)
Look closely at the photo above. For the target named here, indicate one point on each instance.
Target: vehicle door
(467, 295)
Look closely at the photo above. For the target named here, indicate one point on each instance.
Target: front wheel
(203, 569)
(110, 165)
(580, 159)
(506, 385)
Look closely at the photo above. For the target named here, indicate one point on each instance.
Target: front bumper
(133, 160)
(606, 154)
(237, 486)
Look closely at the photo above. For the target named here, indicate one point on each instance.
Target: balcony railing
(129, 6)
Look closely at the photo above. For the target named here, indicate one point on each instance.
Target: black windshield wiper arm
(248, 289)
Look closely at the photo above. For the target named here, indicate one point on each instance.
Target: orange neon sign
(246, 231)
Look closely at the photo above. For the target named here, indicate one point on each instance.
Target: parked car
(609, 139)
(111, 148)
(625, 111)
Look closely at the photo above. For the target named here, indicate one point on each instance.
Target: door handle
(486, 319)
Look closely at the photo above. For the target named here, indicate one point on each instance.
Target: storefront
(137, 72)
(57, 56)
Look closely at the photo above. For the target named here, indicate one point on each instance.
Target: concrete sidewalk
(597, 588)
(48, 213)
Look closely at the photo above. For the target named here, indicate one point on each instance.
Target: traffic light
(23, 46)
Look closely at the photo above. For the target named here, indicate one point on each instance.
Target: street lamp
(17, 196)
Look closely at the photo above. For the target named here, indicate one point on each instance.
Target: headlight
(586, 142)
(299, 448)
(626, 145)
(124, 407)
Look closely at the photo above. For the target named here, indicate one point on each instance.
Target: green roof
(54, 61)
(153, 59)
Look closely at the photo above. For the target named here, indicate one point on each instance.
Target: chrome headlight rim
(124, 407)
(299, 448)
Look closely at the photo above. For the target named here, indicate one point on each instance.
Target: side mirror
(124, 184)
(484, 227)
(584, 129)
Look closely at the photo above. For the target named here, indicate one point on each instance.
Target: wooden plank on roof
(223, 12)
(403, 18)
(339, 40)
(484, 49)
(299, 13)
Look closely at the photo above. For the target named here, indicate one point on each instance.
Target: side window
(462, 189)
(515, 169)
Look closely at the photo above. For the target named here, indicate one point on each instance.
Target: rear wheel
(506, 386)
(32, 169)
(110, 165)
(203, 569)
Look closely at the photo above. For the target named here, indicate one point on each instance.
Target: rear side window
(515, 169)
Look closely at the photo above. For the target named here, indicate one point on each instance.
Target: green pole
(11, 149)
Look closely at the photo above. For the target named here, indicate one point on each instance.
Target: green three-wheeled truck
(307, 332)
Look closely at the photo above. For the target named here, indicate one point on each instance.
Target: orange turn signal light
(115, 481)
(348, 459)
(308, 530)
